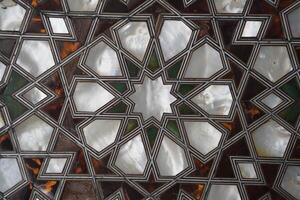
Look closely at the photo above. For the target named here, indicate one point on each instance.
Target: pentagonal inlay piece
(171, 158)
(103, 60)
(202, 136)
(251, 28)
(273, 62)
(174, 37)
(291, 181)
(82, 5)
(224, 192)
(34, 95)
(293, 19)
(205, 62)
(56, 165)
(90, 96)
(11, 15)
(33, 134)
(152, 98)
(247, 170)
(101, 133)
(272, 100)
(58, 25)
(230, 6)
(132, 157)
(271, 139)
(215, 100)
(10, 174)
(35, 57)
(135, 37)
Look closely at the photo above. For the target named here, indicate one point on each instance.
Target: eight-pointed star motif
(152, 98)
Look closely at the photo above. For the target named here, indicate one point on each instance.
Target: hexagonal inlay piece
(271, 139)
(11, 15)
(132, 157)
(90, 96)
(171, 158)
(103, 60)
(135, 38)
(174, 37)
(202, 136)
(10, 174)
(291, 181)
(273, 62)
(35, 57)
(204, 63)
(224, 192)
(33, 134)
(101, 133)
(215, 100)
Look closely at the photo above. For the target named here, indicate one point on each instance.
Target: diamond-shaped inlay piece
(11, 15)
(152, 98)
(82, 5)
(174, 38)
(135, 37)
(58, 25)
(10, 174)
(247, 170)
(101, 133)
(215, 100)
(291, 181)
(271, 139)
(35, 57)
(33, 134)
(34, 95)
(224, 192)
(204, 63)
(272, 100)
(103, 60)
(171, 158)
(202, 136)
(251, 28)
(56, 165)
(273, 62)
(132, 157)
(90, 96)
(230, 6)
(293, 19)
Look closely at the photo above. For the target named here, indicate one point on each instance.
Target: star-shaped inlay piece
(152, 98)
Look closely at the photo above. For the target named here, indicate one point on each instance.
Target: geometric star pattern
(149, 99)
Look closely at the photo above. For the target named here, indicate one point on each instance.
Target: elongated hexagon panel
(171, 158)
(174, 38)
(224, 192)
(273, 62)
(103, 60)
(100, 133)
(215, 100)
(135, 37)
(12, 15)
(90, 96)
(82, 5)
(271, 139)
(202, 136)
(132, 158)
(35, 57)
(230, 6)
(204, 62)
(10, 174)
(291, 181)
(33, 134)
